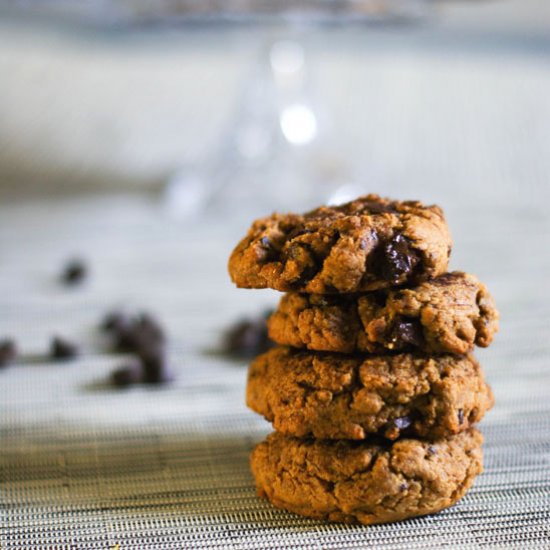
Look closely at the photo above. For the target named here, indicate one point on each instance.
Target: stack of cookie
(372, 390)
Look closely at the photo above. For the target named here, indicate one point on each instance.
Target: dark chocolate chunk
(155, 365)
(128, 374)
(127, 339)
(403, 486)
(74, 272)
(63, 349)
(407, 332)
(131, 335)
(402, 423)
(148, 326)
(460, 416)
(115, 321)
(372, 207)
(432, 450)
(8, 351)
(248, 337)
(398, 259)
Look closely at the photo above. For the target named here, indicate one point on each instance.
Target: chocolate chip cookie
(335, 396)
(367, 244)
(448, 314)
(366, 482)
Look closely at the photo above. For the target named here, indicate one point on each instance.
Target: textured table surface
(86, 466)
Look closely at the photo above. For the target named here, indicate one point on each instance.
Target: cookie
(448, 314)
(334, 396)
(366, 244)
(366, 482)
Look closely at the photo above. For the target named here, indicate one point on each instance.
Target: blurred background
(395, 93)
(143, 138)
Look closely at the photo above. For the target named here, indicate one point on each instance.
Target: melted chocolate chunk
(397, 259)
(407, 332)
(372, 207)
(8, 352)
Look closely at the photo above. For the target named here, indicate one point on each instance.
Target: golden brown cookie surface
(334, 396)
(448, 314)
(366, 482)
(366, 244)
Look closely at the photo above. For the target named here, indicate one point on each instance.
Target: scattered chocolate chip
(266, 242)
(127, 339)
(432, 450)
(460, 416)
(133, 334)
(127, 375)
(403, 486)
(115, 321)
(407, 332)
(63, 349)
(248, 337)
(155, 365)
(397, 259)
(8, 351)
(144, 336)
(74, 272)
(402, 423)
(149, 327)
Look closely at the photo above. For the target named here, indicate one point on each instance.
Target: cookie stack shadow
(372, 389)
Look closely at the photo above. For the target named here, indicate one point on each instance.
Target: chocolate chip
(150, 327)
(8, 351)
(127, 339)
(460, 416)
(403, 486)
(248, 337)
(115, 321)
(63, 349)
(127, 375)
(407, 332)
(402, 423)
(372, 207)
(397, 259)
(265, 242)
(155, 365)
(74, 272)
(132, 334)
(432, 450)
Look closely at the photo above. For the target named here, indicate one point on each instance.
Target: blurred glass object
(132, 12)
(276, 154)
(277, 148)
(298, 124)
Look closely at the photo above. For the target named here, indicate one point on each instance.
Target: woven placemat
(85, 466)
